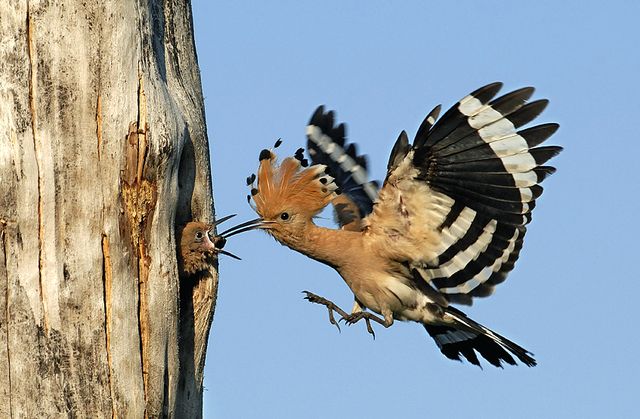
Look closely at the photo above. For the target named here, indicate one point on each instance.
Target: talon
(331, 307)
(370, 329)
(350, 319)
(332, 320)
(356, 317)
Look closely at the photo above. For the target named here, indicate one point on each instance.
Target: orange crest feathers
(289, 187)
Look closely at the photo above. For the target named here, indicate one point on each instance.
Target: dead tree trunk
(103, 150)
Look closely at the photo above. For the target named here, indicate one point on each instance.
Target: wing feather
(327, 145)
(456, 202)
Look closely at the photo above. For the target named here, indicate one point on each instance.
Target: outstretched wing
(327, 145)
(456, 202)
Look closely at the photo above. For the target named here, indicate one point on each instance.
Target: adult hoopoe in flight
(446, 226)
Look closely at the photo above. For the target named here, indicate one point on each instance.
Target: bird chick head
(198, 247)
(287, 195)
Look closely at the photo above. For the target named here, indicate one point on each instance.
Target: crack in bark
(3, 225)
(143, 269)
(99, 124)
(107, 276)
(139, 201)
(37, 152)
(143, 321)
(142, 125)
(139, 198)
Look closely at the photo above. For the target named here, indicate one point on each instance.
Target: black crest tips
(304, 162)
(264, 154)
(254, 191)
(323, 180)
(251, 179)
(249, 198)
(338, 191)
(278, 142)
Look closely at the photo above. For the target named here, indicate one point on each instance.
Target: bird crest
(290, 186)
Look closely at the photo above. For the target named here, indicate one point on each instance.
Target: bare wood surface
(103, 150)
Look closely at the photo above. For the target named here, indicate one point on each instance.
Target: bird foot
(353, 318)
(331, 307)
(349, 319)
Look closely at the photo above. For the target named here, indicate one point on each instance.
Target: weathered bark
(103, 150)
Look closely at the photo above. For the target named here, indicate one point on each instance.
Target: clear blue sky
(382, 65)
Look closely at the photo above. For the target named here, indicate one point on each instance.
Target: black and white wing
(326, 144)
(471, 178)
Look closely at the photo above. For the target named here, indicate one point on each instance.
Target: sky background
(382, 65)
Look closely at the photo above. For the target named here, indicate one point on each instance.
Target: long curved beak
(221, 238)
(224, 252)
(223, 219)
(246, 226)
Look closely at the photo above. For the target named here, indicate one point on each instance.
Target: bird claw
(353, 318)
(349, 319)
(331, 307)
(332, 320)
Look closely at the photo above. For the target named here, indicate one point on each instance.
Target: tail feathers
(471, 337)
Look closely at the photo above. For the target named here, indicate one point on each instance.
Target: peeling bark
(103, 151)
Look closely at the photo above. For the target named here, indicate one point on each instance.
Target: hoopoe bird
(446, 226)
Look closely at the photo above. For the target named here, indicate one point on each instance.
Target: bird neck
(329, 246)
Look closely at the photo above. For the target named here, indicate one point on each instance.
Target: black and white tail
(469, 337)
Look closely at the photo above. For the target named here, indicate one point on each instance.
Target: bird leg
(355, 317)
(331, 307)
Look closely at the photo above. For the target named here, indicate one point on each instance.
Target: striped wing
(471, 179)
(327, 145)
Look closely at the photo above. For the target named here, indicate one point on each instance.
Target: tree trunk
(103, 151)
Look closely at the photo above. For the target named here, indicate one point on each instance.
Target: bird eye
(284, 216)
(199, 235)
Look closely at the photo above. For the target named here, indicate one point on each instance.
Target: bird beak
(246, 226)
(218, 244)
(223, 219)
(220, 240)
(224, 252)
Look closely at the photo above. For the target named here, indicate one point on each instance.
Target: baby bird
(446, 226)
(200, 246)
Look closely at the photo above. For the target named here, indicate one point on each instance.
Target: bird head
(197, 247)
(288, 195)
(200, 245)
